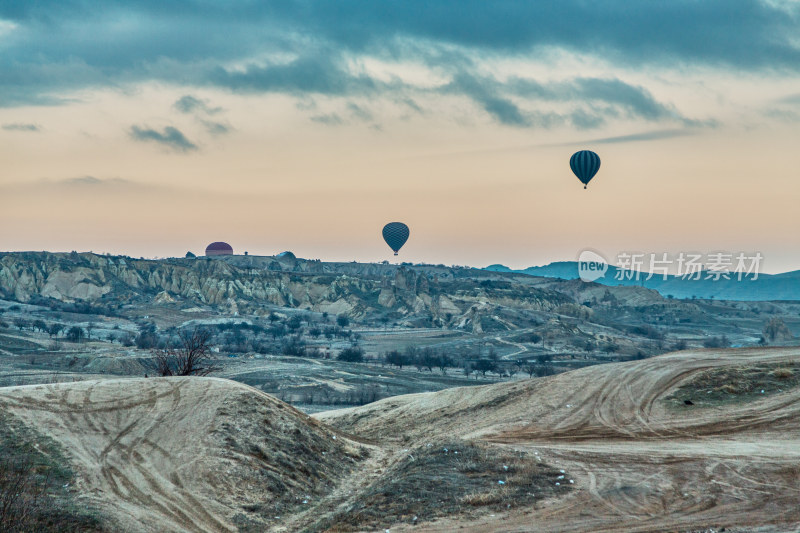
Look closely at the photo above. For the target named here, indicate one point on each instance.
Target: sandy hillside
(178, 454)
(203, 454)
(642, 460)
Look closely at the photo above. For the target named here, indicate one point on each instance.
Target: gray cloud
(783, 115)
(411, 103)
(749, 34)
(485, 93)
(605, 98)
(83, 180)
(93, 181)
(21, 127)
(309, 74)
(790, 99)
(636, 137)
(359, 112)
(215, 128)
(195, 43)
(201, 109)
(170, 137)
(636, 101)
(586, 120)
(191, 104)
(352, 113)
(742, 33)
(330, 119)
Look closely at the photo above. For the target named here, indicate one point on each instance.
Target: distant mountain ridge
(764, 287)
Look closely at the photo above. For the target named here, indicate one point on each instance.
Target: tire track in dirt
(710, 485)
(639, 464)
(176, 454)
(123, 451)
(123, 462)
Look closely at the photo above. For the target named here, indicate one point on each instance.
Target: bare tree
(192, 357)
(776, 329)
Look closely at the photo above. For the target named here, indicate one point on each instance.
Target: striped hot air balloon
(585, 165)
(395, 234)
(218, 248)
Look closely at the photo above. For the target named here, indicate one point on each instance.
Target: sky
(151, 128)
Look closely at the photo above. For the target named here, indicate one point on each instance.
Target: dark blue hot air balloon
(395, 234)
(585, 165)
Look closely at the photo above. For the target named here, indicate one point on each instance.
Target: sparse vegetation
(447, 478)
(35, 481)
(75, 334)
(733, 384)
(717, 342)
(351, 354)
(281, 458)
(192, 357)
(776, 330)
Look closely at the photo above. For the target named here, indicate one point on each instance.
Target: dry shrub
(737, 387)
(739, 383)
(34, 485)
(782, 373)
(482, 499)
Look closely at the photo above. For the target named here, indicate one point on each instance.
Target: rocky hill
(372, 295)
(440, 295)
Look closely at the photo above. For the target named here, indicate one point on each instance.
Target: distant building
(286, 255)
(218, 248)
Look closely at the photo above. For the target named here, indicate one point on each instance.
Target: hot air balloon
(585, 165)
(218, 248)
(395, 234)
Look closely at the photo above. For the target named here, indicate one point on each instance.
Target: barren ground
(639, 464)
(212, 455)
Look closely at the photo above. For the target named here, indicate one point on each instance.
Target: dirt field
(185, 454)
(638, 463)
(203, 454)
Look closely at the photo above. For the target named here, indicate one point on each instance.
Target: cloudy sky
(152, 128)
